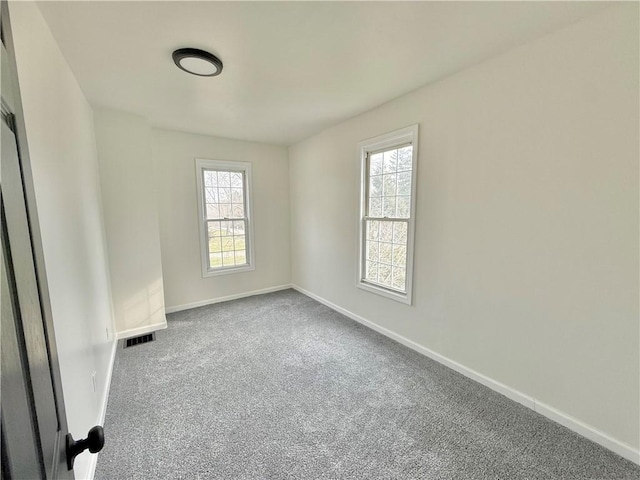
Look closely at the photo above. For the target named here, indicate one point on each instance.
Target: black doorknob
(94, 442)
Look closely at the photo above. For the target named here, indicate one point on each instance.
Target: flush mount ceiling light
(197, 62)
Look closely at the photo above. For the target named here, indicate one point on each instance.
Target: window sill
(383, 292)
(226, 271)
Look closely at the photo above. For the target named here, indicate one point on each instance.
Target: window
(224, 207)
(388, 180)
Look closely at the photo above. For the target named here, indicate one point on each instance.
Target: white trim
(587, 431)
(581, 428)
(245, 167)
(134, 332)
(202, 303)
(384, 292)
(103, 409)
(386, 140)
(396, 138)
(93, 462)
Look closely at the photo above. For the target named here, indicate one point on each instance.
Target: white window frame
(231, 166)
(389, 140)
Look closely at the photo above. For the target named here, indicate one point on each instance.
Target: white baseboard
(587, 431)
(105, 400)
(581, 428)
(210, 301)
(134, 332)
(93, 458)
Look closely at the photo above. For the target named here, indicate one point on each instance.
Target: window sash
(230, 187)
(397, 196)
(364, 259)
(233, 237)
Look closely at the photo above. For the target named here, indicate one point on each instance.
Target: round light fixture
(197, 62)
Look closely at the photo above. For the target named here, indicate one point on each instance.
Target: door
(33, 422)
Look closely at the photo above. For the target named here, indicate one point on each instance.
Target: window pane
(375, 186)
(389, 184)
(400, 233)
(372, 229)
(238, 227)
(399, 276)
(215, 260)
(389, 206)
(227, 244)
(404, 158)
(372, 251)
(214, 229)
(215, 245)
(386, 231)
(224, 195)
(375, 207)
(223, 179)
(404, 207)
(400, 255)
(390, 161)
(228, 259)
(238, 242)
(213, 211)
(236, 179)
(241, 257)
(236, 195)
(210, 178)
(386, 253)
(225, 210)
(384, 275)
(375, 164)
(404, 183)
(237, 211)
(371, 272)
(211, 195)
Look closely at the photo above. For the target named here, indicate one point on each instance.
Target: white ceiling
(291, 69)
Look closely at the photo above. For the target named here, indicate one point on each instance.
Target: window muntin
(388, 203)
(224, 216)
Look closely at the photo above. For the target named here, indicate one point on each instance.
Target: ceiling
(291, 69)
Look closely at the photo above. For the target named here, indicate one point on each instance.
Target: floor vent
(133, 341)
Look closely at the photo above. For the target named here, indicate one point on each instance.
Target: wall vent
(133, 341)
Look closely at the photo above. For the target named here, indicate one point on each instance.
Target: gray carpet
(279, 386)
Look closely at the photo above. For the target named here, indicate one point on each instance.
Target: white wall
(127, 178)
(174, 155)
(61, 143)
(527, 220)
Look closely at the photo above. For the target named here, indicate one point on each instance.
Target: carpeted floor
(279, 386)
